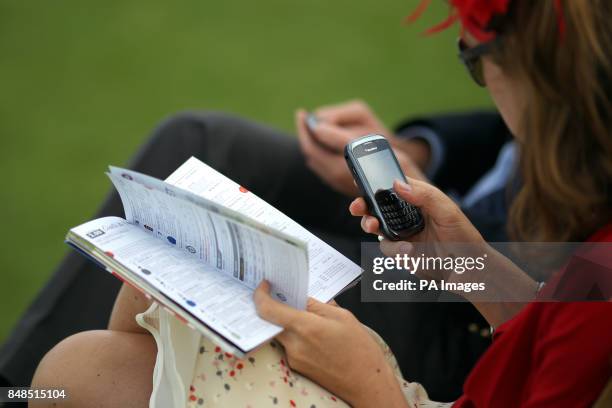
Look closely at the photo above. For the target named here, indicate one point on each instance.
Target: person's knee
(99, 368)
(186, 134)
(191, 126)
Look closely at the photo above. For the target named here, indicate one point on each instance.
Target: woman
(549, 73)
(547, 67)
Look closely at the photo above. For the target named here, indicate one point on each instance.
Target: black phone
(375, 168)
(311, 122)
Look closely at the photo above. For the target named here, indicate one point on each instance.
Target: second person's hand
(326, 160)
(323, 148)
(354, 116)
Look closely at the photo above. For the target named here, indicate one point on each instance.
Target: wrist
(417, 149)
(508, 290)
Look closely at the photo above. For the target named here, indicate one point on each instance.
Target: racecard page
(205, 258)
(330, 271)
(219, 300)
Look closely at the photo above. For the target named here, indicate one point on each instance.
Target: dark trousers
(431, 341)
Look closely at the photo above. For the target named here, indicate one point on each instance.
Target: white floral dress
(190, 371)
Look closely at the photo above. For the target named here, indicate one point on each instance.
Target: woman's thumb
(423, 195)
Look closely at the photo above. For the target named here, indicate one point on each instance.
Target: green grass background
(83, 82)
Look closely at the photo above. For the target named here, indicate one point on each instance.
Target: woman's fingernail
(368, 225)
(403, 186)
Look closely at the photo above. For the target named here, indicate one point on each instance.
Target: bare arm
(103, 368)
(129, 303)
(507, 281)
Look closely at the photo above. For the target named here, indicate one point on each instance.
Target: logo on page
(95, 233)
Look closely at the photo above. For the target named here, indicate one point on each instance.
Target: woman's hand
(444, 220)
(447, 230)
(445, 225)
(327, 344)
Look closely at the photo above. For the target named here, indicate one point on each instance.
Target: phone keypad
(398, 214)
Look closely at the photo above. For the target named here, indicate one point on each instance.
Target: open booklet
(199, 244)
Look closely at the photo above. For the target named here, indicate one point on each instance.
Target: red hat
(476, 16)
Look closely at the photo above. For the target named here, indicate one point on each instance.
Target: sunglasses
(472, 58)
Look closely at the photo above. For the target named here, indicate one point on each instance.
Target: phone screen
(380, 170)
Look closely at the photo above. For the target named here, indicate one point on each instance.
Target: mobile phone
(311, 122)
(375, 167)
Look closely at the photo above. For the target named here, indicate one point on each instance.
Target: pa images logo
(95, 233)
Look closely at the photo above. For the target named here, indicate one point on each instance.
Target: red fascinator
(476, 16)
